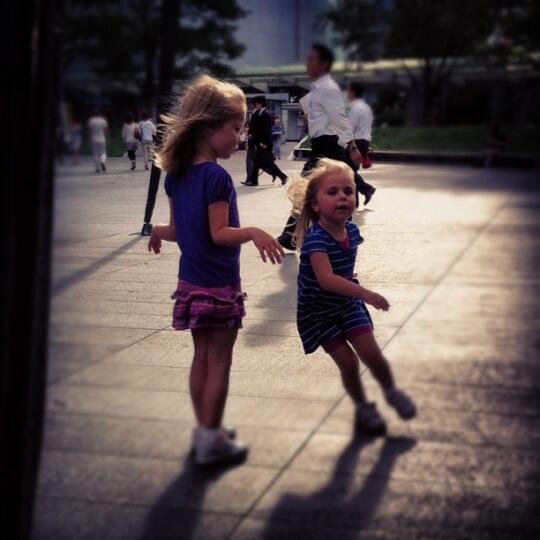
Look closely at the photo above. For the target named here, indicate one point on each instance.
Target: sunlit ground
(456, 251)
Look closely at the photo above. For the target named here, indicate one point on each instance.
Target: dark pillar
(29, 79)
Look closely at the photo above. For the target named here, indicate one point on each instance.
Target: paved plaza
(456, 251)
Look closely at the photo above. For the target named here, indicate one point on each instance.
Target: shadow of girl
(177, 512)
(333, 511)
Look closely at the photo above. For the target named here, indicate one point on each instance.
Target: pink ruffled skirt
(203, 307)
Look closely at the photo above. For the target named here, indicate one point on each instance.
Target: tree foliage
(439, 34)
(122, 39)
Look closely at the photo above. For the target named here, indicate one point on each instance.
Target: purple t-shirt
(202, 262)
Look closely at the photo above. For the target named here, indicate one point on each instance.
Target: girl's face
(226, 138)
(335, 199)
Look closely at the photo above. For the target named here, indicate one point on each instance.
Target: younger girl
(204, 222)
(331, 303)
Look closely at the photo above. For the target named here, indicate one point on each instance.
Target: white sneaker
(214, 447)
(368, 420)
(400, 401)
(229, 431)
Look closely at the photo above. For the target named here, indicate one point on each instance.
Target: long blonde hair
(206, 104)
(303, 194)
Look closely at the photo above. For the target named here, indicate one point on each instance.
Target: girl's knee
(200, 359)
(345, 359)
(221, 358)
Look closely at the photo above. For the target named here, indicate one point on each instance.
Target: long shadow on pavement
(333, 511)
(67, 281)
(178, 510)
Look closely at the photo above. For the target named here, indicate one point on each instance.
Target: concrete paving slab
(66, 519)
(454, 249)
(160, 439)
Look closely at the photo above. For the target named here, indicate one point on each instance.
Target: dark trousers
(264, 160)
(363, 146)
(250, 156)
(327, 146)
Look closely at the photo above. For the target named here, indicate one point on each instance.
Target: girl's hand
(154, 243)
(376, 300)
(267, 246)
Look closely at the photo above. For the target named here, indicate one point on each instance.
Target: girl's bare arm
(163, 231)
(224, 235)
(337, 284)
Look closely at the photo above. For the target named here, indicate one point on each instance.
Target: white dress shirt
(326, 110)
(361, 119)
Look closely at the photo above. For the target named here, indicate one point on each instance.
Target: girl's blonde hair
(207, 103)
(303, 194)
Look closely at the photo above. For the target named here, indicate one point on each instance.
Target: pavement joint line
(129, 504)
(67, 383)
(188, 424)
(416, 383)
(448, 270)
(136, 457)
(103, 359)
(427, 295)
(286, 466)
(76, 277)
(115, 417)
(400, 479)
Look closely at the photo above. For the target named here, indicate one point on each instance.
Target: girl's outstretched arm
(337, 284)
(224, 235)
(162, 232)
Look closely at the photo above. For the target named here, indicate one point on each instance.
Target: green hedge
(519, 140)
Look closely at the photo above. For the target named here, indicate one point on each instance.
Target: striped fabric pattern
(323, 315)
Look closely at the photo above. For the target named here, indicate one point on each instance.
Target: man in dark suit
(260, 136)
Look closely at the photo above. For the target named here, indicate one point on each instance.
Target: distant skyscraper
(278, 32)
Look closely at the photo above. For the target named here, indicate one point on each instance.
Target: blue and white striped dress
(322, 315)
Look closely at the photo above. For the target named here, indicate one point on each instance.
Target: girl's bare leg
(370, 353)
(347, 362)
(199, 371)
(219, 347)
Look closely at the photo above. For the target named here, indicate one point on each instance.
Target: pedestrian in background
(361, 120)
(260, 130)
(250, 154)
(277, 138)
(328, 127)
(204, 221)
(130, 134)
(98, 127)
(75, 140)
(148, 132)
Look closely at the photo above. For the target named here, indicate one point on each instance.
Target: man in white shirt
(148, 132)
(361, 120)
(328, 126)
(97, 126)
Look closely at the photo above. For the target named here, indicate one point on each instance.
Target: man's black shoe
(147, 229)
(369, 194)
(249, 184)
(285, 240)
